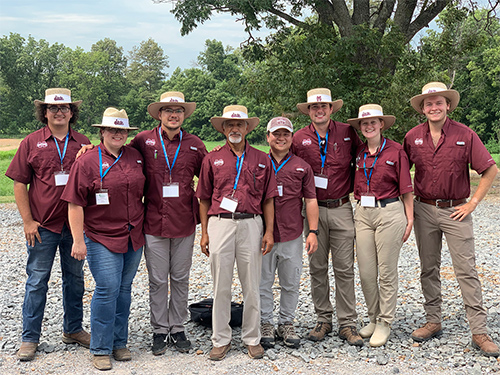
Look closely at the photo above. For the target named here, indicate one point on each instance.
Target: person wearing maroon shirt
(441, 150)
(329, 147)
(381, 220)
(43, 162)
(235, 188)
(295, 180)
(106, 215)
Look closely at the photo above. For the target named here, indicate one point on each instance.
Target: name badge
(229, 204)
(321, 182)
(61, 178)
(367, 201)
(102, 197)
(280, 190)
(171, 190)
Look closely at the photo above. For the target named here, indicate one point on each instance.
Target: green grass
(6, 184)
(496, 157)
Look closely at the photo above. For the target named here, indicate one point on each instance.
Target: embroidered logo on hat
(419, 141)
(118, 122)
(364, 114)
(318, 98)
(150, 142)
(306, 142)
(42, 144)
(58, 97)
(235, 115)
(173, 100)
(218, 162)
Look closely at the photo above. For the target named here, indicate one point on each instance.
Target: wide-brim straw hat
(57, 96)
(320, 95)
(114, 118)
(372, 111)
(234, 112)
(433, 89)
(171, 98)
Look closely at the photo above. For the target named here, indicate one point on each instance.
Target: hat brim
(336, 105)
(40, 102)
(389, 120)
(154, 108)
(114, 126)
(452, 95)
(218, 121)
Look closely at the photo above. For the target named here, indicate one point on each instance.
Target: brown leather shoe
(351, 335)
(485, 345)
(255, 351)
(27, 351)
(319, 332)
(81, 338)
(122, 354)
(102, 362)
(219, 353)
(426, 332)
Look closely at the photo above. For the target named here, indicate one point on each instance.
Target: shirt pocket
(256, 179)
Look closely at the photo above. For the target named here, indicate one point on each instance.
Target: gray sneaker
(286, 332)
(267, 335)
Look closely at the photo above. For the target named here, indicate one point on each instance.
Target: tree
(146, 65)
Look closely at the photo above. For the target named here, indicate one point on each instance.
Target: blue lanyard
(64, 150)
(165, 151)
(239, 165)
(100, 164)
(281, 166)
(323, 157)
(368, 177)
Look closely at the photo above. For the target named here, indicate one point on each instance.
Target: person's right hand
(79, 250)
(83, 150)
(204, 244)
(31, 232)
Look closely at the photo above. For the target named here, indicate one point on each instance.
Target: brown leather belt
(236, 215)
(442, 203)
(334, 203)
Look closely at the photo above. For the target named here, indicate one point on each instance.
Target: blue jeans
(40, 260)
(113, 274)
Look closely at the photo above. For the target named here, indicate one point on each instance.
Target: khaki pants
(336, 235)
(430, 225)
(379, 237)
(238, 240)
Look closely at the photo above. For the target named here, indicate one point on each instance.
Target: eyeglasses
(116, 130)
(55, 109)
(171, 111)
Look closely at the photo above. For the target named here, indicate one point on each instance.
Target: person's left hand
(463, 210)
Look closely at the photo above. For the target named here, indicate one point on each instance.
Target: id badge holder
(280, 190)
(61, 178)
(367, 200)
(229, 204)
(321, 181)
(102, 197)
(171, 190)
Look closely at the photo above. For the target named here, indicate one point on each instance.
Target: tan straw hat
(371, 111)
(57, 96)
(321, 95)
(171, 98)
(234, 112)
(114, 118)
(433, 89)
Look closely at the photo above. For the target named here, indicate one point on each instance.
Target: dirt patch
(9, 144)
(494, 192)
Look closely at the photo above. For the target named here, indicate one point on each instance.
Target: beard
(235, 138)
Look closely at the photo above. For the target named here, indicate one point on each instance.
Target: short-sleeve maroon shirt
(170, 217)
(35, 163)
(339, 164)
(443, 172)
(391, 173)
(297, 179)
(256, 183)
(114, 224)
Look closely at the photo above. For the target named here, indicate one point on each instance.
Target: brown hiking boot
(218, 353)
(351, 335)
(319, 332)
(122, 354)
(426, 332)
(255, 351)
(27, 351)
(485, 345)
(82, 338)
(102, 362)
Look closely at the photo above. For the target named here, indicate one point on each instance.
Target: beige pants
(238, 240)
(336, 235)
(379, 237)
(430, 225)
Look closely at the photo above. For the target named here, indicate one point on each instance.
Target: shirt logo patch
(150, 142)
(218, 162)
(300, 169)
(461, 143)
(42, 144)
(105, 165)
(306, 142)
(82, 144)
(347, 139)
(389, 162)
(193, 148)
(262, 165)
(139, 161)
(419, 141)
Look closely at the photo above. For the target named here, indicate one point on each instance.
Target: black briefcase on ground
(201, 312)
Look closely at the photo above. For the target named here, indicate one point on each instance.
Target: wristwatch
(315, 231)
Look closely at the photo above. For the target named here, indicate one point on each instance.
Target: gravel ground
(450, 354)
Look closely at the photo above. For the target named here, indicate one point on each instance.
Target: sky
(128, 22)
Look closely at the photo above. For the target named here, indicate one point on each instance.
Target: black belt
(442, 203)
(334, 203)
(385, 202)
(236, 215)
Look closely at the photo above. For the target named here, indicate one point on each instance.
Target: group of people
(255, 209)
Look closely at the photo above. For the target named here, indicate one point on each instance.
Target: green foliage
(147, 65)
(6, 184)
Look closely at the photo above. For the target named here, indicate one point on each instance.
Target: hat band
(235, 115)
(319, 98)
(115, 121)
(57, 98)
(172, 99)
(370, 113)
(433, 89)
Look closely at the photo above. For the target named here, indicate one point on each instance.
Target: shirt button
(434, 167)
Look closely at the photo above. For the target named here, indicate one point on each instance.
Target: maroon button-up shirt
(34, 164)
(256, 183)
(442, 172)
(297, 179)
(339, 164)
(111, 225)
(391, 174)
(170, 217)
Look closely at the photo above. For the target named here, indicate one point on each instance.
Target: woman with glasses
(383, 218)
(106, 214)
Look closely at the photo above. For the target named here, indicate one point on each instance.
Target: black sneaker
(159, 343)
(180, 341)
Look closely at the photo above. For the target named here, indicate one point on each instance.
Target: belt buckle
(233, 216)
(442, 201)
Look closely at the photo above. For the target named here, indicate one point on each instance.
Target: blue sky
(128, 22)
